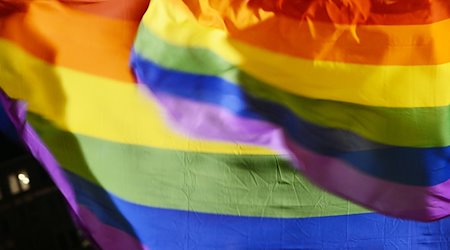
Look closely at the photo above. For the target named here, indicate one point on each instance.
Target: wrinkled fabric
(353, 93)
(160, 169)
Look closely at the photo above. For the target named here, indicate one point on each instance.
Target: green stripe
(411, 127)
(214, 183)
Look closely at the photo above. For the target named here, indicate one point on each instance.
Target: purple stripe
(202, 120)
(107, 236)
(102, 235)
(17, 113)
(406, 201)
(212, 122)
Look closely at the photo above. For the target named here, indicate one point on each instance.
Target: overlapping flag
(239, 90)
(355, 93)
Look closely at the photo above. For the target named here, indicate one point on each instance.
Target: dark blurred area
(33, 214)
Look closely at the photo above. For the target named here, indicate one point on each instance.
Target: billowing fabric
(354, 93)
(134, 182)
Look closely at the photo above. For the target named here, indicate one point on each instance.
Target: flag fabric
(7, 129)
(354, 93)
(130, 179)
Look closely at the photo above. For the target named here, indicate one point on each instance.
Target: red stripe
(118, 9)
(367, 12)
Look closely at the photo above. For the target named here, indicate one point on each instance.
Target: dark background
(33, 214)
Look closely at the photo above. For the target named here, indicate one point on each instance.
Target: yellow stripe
(388, 86)
(96, 106)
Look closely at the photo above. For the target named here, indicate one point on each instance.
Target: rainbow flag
(354, 93)
(131, 180)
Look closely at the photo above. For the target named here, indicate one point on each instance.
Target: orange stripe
(366, 44)
(57, 34)
(117, 9)
(371, 12)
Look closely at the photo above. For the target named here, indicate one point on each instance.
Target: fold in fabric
(206, 159)
(353, 93)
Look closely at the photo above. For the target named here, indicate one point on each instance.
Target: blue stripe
(6, 127)
(412, 166)
(160, 228)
